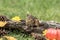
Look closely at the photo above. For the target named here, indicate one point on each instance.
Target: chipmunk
(32, 21)
(33, 24)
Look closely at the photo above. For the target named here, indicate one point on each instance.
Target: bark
(31, 25)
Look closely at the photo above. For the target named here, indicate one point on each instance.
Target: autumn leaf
(10, 38)
(1, 38)
(16, 18)
(2, 24)
(44, 32)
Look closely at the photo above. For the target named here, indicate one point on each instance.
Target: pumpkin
(58, 34)
(52, 34)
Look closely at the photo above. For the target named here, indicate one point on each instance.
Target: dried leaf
(44, 32)
(16, 18)
(10, 38)
(1, 38)
(2, 24)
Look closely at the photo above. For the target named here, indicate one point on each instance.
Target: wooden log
(31, 25)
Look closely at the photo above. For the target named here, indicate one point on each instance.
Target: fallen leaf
(1, 38)
(10, 38)
(16, 18)
(2, 24)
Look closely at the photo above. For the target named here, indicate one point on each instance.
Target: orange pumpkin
(53, 34)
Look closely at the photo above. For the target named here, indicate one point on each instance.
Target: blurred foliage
(42, 9)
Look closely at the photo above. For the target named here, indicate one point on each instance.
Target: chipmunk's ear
(29, 15)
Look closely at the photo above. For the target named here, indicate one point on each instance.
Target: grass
(43, 9)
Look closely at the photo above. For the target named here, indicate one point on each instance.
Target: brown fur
(32, 21)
